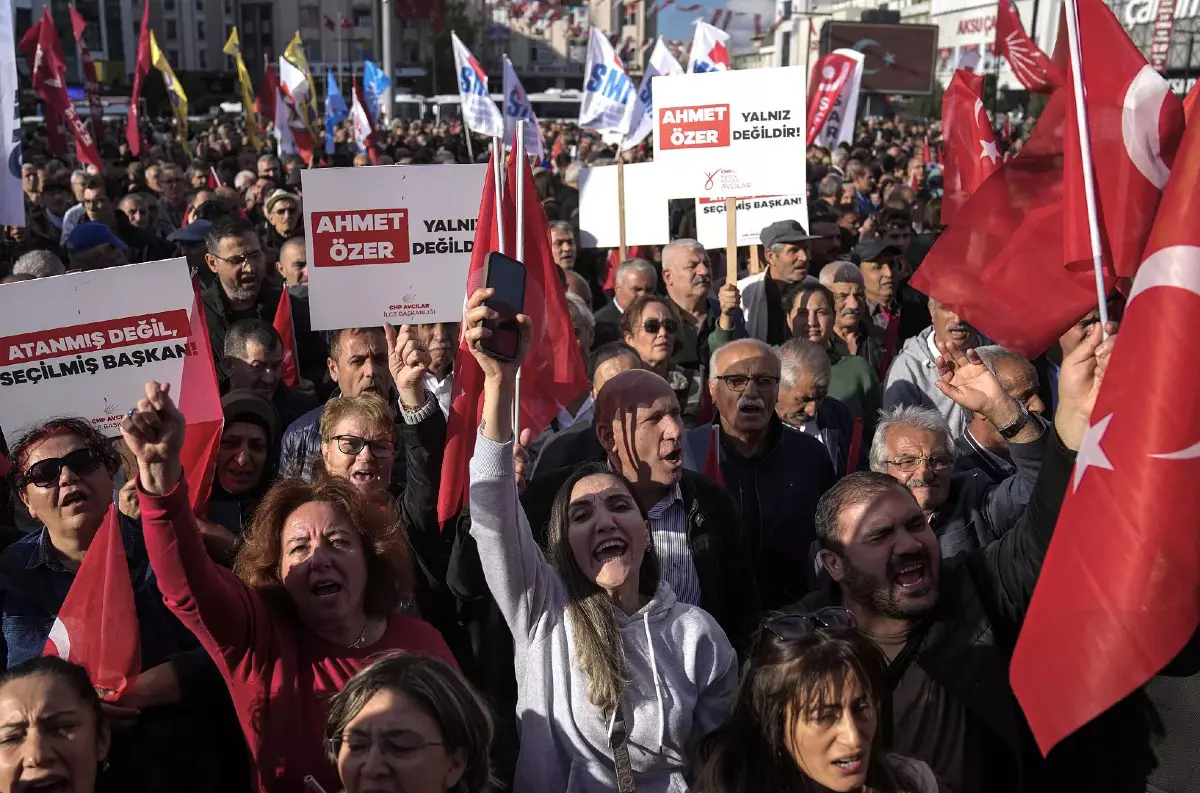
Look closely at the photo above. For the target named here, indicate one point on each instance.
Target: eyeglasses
(392, 748)
(797, 626)
(653, 326)
(45, 473)
(352, 445)
(938, 462)
(737, 382)
(242, 259)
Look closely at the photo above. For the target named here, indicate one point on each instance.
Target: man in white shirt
(441, 339)
(634, 278)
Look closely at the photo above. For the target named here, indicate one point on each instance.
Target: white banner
(639, 114)
(731, 133)
(85, 344)
(606, 88)
(516, 107)
(479, 112)
(710, 50)
(646, 213)
(12, 199)
(753, 215)
(839, 125)
(390, 243)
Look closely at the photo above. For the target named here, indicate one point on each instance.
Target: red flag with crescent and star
(1032, 67)
(1119, 593)
(969, 148)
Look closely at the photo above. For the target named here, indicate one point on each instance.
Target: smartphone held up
(506, 276)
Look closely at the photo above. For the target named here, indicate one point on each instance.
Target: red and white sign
(754, 213)
(375, 236)
(731, 132)
(833, 98)
(390, 243)
(85, 344)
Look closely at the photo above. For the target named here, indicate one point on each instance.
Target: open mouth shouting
(851, 765)
(53, 783)
(912, 575)
(325, 589)
(72, 498)
(610, 549)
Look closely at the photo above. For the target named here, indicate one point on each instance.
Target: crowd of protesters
(784, 542)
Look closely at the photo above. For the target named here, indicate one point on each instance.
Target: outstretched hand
(967, 381)
(154, 432)
(408, 361)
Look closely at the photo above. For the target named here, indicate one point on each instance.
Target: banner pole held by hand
(621, 205)
(498, 173)
(521, 165)
(731, 241)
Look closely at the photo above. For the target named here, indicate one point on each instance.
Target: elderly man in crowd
(440, 340)
(634, 278)
(172, 202)
(788, 248)
(948, 625)
(269, 168)
(293, 262)
(913, 377)
(774, 473)
(804, 403)
(253, 360)
(99, 208)
(284, 218)
(135, 208)
(687, 275)
(852, 333)
(981, 447)
(38, 263)
(562, 244)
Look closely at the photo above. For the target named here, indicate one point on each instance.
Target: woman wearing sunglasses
(312, 596)
(358, 444)
(650, 325)
(177, 711)
(807, 716)
(615, 677)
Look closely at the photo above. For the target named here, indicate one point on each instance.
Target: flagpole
(1085, 150)
(498, 172)
(467, 135)
(519, 160)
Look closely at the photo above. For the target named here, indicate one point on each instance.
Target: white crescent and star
(1140, 115)
(888, 58)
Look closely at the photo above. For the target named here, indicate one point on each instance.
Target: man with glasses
(239, 291)
(172, 203)
(283, 221)
(775, 473)
(99, 208)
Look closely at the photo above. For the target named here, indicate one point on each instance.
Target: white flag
(517, 106)
(710, 49)
(361, 122)
(639, 116)
(284, 115)
(12, 198)
(606, 88)
(479, 112)
(293, 82)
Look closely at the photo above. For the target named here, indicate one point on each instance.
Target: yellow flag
(233, 48)
(179, 100)
(294, 53)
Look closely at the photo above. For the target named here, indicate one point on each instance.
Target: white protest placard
(84, 344)
(390, 243)
(646, 213)
(753, 215)
(731, 133)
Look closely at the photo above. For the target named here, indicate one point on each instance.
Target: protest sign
(85, 344)
(753, 215)
(646, 214)
(390, 243)
(731, 133)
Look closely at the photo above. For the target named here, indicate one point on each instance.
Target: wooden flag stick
(621, 205)
(755, 264)
(731, 240)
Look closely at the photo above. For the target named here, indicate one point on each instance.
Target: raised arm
(526, 589)
(225, 615)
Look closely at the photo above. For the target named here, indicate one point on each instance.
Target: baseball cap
(872, 248)
(192, 233)
(785, 231)
(86, 236)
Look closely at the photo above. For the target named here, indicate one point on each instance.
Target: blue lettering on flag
(597, 77)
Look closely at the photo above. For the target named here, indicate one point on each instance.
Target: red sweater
(280, 674)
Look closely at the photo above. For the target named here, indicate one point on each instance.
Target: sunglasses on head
(797, 626)
(652, 326)
(45, 473)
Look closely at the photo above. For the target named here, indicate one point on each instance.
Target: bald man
(293, 262)
(775, 473)
(703, 553)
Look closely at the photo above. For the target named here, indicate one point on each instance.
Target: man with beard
(804, 402)
(687, 276)
(852, 335)
(947, 627)
(774, 473)
(441, 340)
(253, 361)
(239, 291)
(913, 377)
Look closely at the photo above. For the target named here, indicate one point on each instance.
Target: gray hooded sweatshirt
(681, 668)
(910, 381)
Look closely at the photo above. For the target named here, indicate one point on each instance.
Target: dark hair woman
(807, 717)
(318, 578)
(410, 724)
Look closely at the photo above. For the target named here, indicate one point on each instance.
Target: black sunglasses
(45, 473)
(797, 626)
(652, 326)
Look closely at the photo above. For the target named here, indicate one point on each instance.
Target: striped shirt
(669, 528)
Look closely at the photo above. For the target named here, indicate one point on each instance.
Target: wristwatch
(1018, 424)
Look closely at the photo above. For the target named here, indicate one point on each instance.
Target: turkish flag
(97, 625)
(133, 134)
(968, 142)
(553, 373)
(1032, 67)
(1117, 596)
(199, 400)
(285, 329)
(268, 94)
(1017, 264)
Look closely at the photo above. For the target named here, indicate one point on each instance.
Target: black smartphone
(507, 276)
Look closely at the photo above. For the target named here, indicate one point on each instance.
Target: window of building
(172, 33)
(168, 5)
(362, 17)
(534, 53)
(629, 15)
(310, 16)
(200, 30)
(202, 60)
(414, 54)
(173, 57)
(785, 49)
(312, 49)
